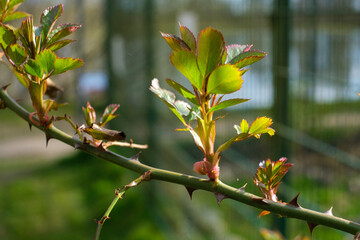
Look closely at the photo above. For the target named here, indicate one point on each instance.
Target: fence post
(281, 22)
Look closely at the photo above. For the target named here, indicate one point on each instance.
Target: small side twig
(73, 125)
(119, 193)
(125, 144)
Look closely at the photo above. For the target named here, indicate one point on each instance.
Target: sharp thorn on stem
(294, 201)
(242, 189)
(48, 137)
(5, 86)
(219, 197)
(329, 212)
(136, 157)
(311, 227)
(190, 190)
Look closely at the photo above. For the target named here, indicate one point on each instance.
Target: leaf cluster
(97, 130)
(8, 10)
(213, 70)
(30, 50)
(268, 177)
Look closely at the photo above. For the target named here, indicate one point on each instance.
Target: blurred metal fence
(316, 48)
(319, 64)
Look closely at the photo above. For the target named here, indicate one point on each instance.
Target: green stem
(191, 181)
(118, 195)
(101, 222)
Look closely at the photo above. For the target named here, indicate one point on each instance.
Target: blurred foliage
(60, 201)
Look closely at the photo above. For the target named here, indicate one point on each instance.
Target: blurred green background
(308, 84)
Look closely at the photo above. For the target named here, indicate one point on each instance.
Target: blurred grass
(60, 201)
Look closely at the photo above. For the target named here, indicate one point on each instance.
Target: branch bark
(188, 181)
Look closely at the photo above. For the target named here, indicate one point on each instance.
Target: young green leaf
(185, 62)
(178, 107)
(269, 175)
(227, 144)
(33, 68)
(227, 103)
(183, 91)
(105, 134)
(59, 44)
(65, 64)
(16, 53)
(111, 109)
(246, 58)
(15, 15)
(62, 31)
(175, 42)
(7, 36)
(188, 37)
(50, 104)
(89, 114)
(108, 114)
(26, 35)
(210, 49)
(261, 125)
(22, 78)
(48, 19)
(244, 126)
(46, 59)
(224, 79)
(235, 50)
(195, 114)
(13, 3)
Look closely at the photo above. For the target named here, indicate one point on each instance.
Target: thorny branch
(119, 193)
(220, 189)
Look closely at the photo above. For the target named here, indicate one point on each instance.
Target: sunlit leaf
(185, 62)
(111, 109)
(16, 53)
(105, 134)
(22, 78)
(210, 49)
(7, 36)
(183, 91)
(48, 19)
(197, 139)
(108, 114)
(244, 126)
(3, 4)
(33, 68)
(260, 126)
(188, 37)
(89, 114)
(15, 15)
(234, 50)
(178, 107)
(13, 3)
(269, 175)
(26, 35)
(224, 79)
(194, 114)
(227, 103)
(62, 31)
(237, 138)
(175, 42)
(247, 58)
(65, 64)
(59, 44)
(46, 59)
(50, 104)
